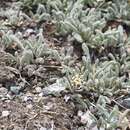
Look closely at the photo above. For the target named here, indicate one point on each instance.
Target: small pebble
(80, 113)
(43, 128)
(66, 98)
(29, 106)
(40, 94)
(28, 32)
(27, 98)
(5, 113)
(38, 89)
(3, 91)
(15, 89)
(39, 60)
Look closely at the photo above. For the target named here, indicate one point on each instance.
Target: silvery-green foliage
(44, 8)
(103, 79)
(29, 3)
(91, 33)
(69, 16)
(66, 56)
(35, 47)
(42, 17)
(112, 37)
(8, 39)
(90, 2)
(26, 58)
(55, 4)
(108, 119)
(72, 10)
(100, 77)
(41, 8)
(35, 44)
(83, 24)
(12, 14)
(118, 10)
(41, 14)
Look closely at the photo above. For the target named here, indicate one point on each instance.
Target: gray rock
(15, 89)
(126, 103)
(55, 88)
(39, 60)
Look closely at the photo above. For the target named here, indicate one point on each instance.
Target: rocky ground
(27, 108)
(32, 96)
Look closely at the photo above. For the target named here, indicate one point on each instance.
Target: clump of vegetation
(45, 34)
